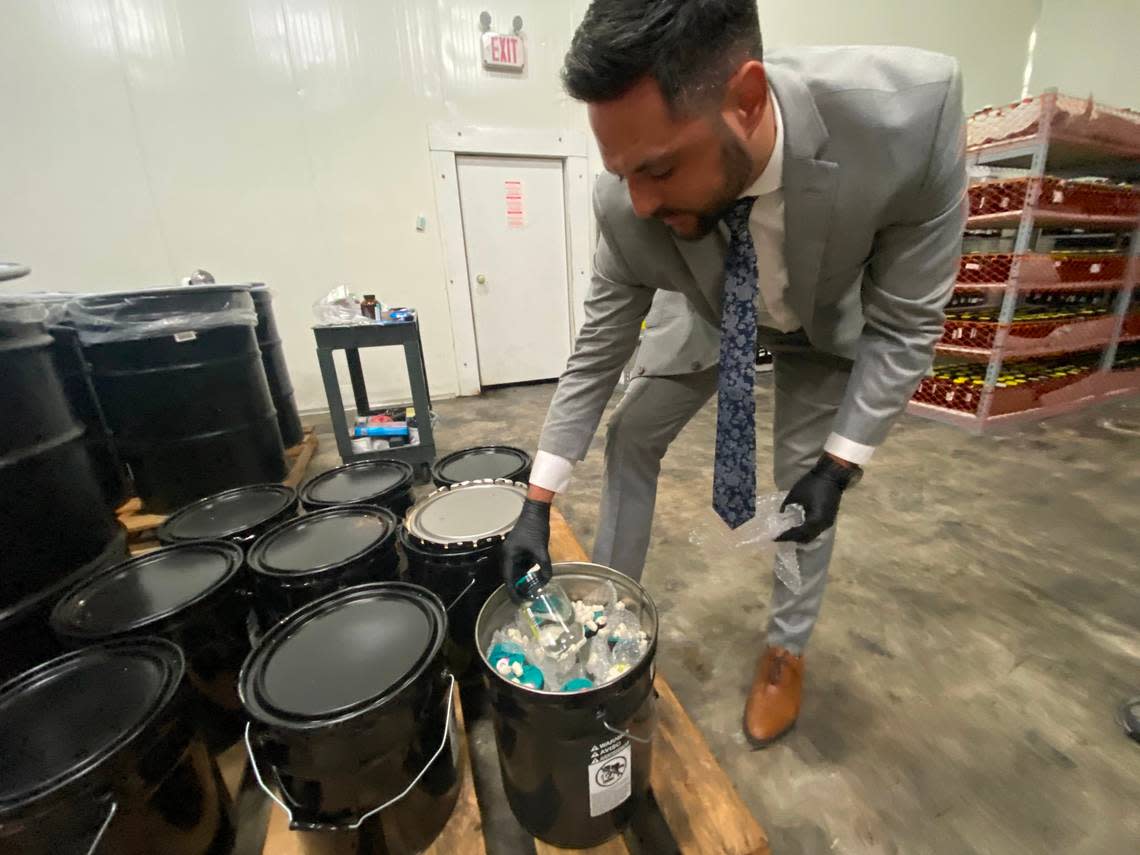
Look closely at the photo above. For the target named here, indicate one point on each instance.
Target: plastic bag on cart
(758, 535)
(340, 306)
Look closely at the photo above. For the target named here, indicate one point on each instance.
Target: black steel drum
(351, 717)
(320, 553)
(26, 638)
(452, 543)
(189, 594)
(276, 371)
(75, 375)
(53, 517)
(485, 461)
(384, 483)
(99, 757)
(180, 377)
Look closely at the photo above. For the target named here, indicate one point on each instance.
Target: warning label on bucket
(611, 775)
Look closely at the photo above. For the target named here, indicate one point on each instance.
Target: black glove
(527, 544)
(818, 493)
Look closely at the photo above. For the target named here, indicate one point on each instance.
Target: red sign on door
(514, 199)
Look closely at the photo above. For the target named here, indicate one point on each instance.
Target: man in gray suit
(809, 201)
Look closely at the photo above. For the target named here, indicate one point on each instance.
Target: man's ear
(746, 97)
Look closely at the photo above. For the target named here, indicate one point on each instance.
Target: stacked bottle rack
(1044, 318)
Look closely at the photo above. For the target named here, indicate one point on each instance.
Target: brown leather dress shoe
(774, 700)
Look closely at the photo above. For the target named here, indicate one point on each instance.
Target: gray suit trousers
(809, 389)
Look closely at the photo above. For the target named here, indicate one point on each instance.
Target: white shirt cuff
(845, 449)
(551, 472)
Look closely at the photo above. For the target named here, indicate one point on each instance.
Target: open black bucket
(484, 461)
(351, 719)
(189, 594)
(452, 542)
(383, 483)
(575, 766)
(308, 557)
(240, 515)
(98, 757)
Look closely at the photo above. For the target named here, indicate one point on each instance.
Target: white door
(514, 227)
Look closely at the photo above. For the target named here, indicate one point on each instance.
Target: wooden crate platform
(142, 526)
(692, 795)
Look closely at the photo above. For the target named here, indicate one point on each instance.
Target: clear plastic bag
(340, 306)
(48, 307)
(759, 534)
(157, 312)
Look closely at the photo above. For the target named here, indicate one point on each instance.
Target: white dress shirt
(766, 224)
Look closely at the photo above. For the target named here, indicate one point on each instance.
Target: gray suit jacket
(874, 184)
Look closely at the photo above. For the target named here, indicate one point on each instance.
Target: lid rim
(437, 469)
(62, 624)
(256, 560)
(160, 649)
(470, 543)
(167, 529)
(265, 714)
(163, 291)
(405, 481)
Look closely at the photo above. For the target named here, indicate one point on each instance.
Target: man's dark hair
(690, 47)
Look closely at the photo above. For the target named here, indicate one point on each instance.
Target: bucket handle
(103, 828)
(463, 593)
(624, 733)
(375, 810)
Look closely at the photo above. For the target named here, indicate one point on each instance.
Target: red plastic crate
(966, 397)
(1053, 196)
(1041, 269)
(1131, 327)
(1031, 337)
(1075, 120)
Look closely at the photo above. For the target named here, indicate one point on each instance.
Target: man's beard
(737, 172)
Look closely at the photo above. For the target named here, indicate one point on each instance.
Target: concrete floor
(981, 624)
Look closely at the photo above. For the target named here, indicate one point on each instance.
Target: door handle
(481, 279)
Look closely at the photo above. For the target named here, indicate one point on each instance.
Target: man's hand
(527, 544)
(818, 493)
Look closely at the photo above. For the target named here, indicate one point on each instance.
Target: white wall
(286, 140)
(988, 37)
(279, 140)
(1091, 47)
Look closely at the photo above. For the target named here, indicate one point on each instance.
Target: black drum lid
(342, 655)
(357, 482)
(227, 513)
(321, 540)
(64, 718)
(484, 461)
(145, 590)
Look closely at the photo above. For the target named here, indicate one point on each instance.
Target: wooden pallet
(692, 794)
(142, 526)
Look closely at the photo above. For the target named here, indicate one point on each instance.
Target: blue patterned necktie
(734, 471)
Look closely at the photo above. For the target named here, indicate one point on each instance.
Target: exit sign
(503, 52)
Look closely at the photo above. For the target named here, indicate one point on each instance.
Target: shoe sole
(758, 744)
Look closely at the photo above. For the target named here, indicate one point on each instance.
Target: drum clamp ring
(375, 810)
